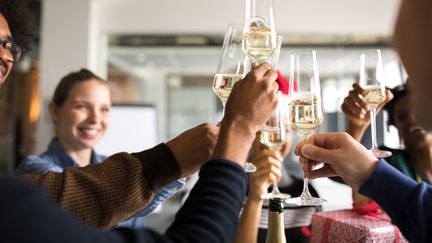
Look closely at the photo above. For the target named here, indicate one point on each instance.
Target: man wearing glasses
(10, 53)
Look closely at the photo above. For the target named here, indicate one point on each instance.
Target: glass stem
(275, 189)
(373, 128)
(305, 194)
(223, 109)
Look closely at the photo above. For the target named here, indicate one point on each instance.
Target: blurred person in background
(414, 159)
(80, 110)
(407, 202)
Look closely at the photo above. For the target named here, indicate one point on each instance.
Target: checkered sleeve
(102, 195)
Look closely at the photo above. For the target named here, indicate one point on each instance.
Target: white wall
(209, 16)
(64, 47)
(74, 32)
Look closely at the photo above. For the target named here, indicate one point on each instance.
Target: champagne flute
(304, 109)
(273, 136)
(372, 80)
(232, 63)
(260, 39)
(231, 68)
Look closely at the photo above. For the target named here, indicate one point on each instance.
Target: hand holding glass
(304, 109)
(231, 68)
(372, 80)
(273, 136)
(232, 63)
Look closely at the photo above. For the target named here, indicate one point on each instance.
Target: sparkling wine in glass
(372, 80)
(232, 67)
(232, 63)
(304, 108)
(273, 136)
(223, 84)
(260, 39)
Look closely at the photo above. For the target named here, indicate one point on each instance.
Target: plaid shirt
(56, 159)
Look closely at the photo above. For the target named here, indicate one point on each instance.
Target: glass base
(305, 201)
(380, 153)
(249, 167)
(271, 195)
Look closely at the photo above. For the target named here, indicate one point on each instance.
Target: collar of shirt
(63, 159)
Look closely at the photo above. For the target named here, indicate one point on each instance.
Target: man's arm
(407, 202)
(209, 215)
(105, 194)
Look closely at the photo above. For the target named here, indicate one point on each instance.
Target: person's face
(404, 120)
(421, 99)
(5, 59)
(84, 117)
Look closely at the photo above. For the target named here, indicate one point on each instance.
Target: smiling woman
(80, 110)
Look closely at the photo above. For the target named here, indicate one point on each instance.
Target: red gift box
(348, 226)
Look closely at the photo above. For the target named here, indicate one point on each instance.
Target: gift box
(349, 226)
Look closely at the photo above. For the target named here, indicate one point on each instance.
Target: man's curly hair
(18, 15)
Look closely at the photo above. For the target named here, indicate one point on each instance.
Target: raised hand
(194, 147)
(341, 155)
(269, 164)
(356, 109)
(249, 105)
(254, 97)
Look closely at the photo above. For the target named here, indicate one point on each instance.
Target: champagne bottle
(276, 229)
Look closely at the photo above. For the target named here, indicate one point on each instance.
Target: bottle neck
(276, 228)
(276, 205)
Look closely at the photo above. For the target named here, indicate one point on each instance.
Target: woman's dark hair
(62, 90)
(398, 92)
(18, 15)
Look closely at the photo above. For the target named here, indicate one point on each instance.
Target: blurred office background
(162, 55)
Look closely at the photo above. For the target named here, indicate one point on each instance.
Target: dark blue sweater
(408, 203)
(210, 214)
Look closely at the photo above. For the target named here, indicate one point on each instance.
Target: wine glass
(273, 136)
(231, 68)
(305, 108)
(372, 81)
(232, 63)
(260, 39)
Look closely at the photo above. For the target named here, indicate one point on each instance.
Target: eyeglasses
(12, 49)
